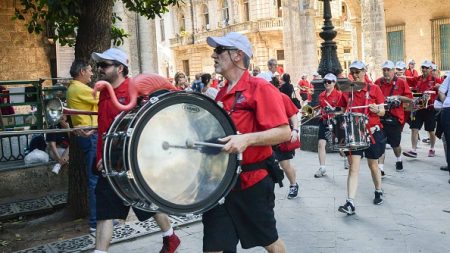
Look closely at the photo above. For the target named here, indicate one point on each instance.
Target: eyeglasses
(356, 72)
(104, 65)
(328, 82)
(221, 49)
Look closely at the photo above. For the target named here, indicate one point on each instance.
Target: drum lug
(238, 170)
(130, 175)
(153, 100)
(221, 201)
(114, 135)
(129, 132)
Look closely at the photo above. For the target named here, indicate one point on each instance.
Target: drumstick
(190, 143)
(364, 106)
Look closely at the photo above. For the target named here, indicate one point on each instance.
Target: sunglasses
(221, 49)
(399, 69)
(104, 65)
(423, 67)
(328, 82)
(356, 72)
(386, 70)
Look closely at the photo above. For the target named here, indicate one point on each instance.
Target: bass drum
(152, 164)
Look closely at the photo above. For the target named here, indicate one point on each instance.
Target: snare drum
(350, 132)
(150, 165)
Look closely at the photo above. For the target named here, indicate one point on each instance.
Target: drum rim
(148, 111)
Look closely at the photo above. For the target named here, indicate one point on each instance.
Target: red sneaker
(431, 153)
(170, 243)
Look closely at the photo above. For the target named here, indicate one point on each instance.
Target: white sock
(168, 232)
(381, 166)
(323, 167)
(351, 201)
(399, 159)
(414, 150)
(99, 251)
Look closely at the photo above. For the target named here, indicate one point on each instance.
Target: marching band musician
(306, 90)
(112, 66)
(427, 85)
(396, 91)
(372, 98)
(328, 100)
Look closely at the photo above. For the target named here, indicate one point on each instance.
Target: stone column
(373, 35)
(299, 38)
(148, 56)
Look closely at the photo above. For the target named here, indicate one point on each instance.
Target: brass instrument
(308, 113)
(54, 110)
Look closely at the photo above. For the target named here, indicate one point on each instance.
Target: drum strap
(366, 112)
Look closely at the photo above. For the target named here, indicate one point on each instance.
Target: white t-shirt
(266, 75)
(444, 88)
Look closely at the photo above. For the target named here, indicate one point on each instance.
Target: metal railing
(29, 95)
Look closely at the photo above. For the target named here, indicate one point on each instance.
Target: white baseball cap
(112, 54)
(411, 61)
(427, 64)
(232, 39)
(400, 65)
(357, 65)
(388, 65)
(330, 77)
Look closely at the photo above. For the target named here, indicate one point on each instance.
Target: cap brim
(100, 57)
(218, 41)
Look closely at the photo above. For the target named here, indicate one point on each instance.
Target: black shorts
(304, 96)
(110, 206)
(424, 117)
(374, 151)
(246, 216)
(393, 134)
(281, 155)
(324, 131)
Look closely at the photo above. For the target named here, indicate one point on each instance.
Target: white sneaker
(56, 168)
(320, 173)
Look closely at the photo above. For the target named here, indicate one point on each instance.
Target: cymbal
(348, 86)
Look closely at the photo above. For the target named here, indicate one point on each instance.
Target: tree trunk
(94, 35)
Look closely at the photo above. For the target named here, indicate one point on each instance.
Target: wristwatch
(296, 130)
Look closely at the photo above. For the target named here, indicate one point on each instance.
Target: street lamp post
(329, 63)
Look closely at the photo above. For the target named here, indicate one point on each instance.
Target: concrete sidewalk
(415, 215)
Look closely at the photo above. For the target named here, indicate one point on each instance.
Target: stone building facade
(23, 56)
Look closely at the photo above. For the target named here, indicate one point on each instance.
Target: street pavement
(415, 215)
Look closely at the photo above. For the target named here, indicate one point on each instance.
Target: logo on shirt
(240, 99)
(122, 100)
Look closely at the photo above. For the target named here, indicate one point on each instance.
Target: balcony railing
(245, 27)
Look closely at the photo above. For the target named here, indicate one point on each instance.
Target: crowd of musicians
(264, 107)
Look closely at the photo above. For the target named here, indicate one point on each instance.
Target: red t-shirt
(401, 89)
(107, 112)
(410, 75)
(332, 99)
(429, 83)
(307, 88)
(290, 107)
(359, 99)
(259, 107)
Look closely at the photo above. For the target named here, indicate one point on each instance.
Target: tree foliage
(62, 16)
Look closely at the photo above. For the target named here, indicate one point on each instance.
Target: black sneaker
(411, 154)
(382, 174)
(293, 191)
(399, 166)
(348, 208)
(444, 168)
(378, 198)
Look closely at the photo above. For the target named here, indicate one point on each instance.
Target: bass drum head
(174, 175)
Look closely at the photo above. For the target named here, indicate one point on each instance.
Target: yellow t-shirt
(79, 96)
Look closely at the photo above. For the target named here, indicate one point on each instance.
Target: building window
(205, 14)
(279, 9)
(246, 11)
(186, 68)
(182, 22)
(225, 13)
(396, 43)
(161, 27)
(280, 55)
(440, 37)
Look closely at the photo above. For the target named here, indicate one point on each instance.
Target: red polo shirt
(410, 75)
(107, 112)
(359, 99)
(305, 84)
(401, 89)
(429, 83)
(259, 107)
(290, 107)
(332, 99)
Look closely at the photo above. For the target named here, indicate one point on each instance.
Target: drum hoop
(149, 110)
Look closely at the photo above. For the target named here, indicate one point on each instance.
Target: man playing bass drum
(396, 92)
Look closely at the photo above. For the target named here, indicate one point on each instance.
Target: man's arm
(239, 143)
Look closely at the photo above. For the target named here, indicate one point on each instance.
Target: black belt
(254, 166)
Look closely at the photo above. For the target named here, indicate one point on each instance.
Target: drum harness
(370, 130)
(270, 164)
